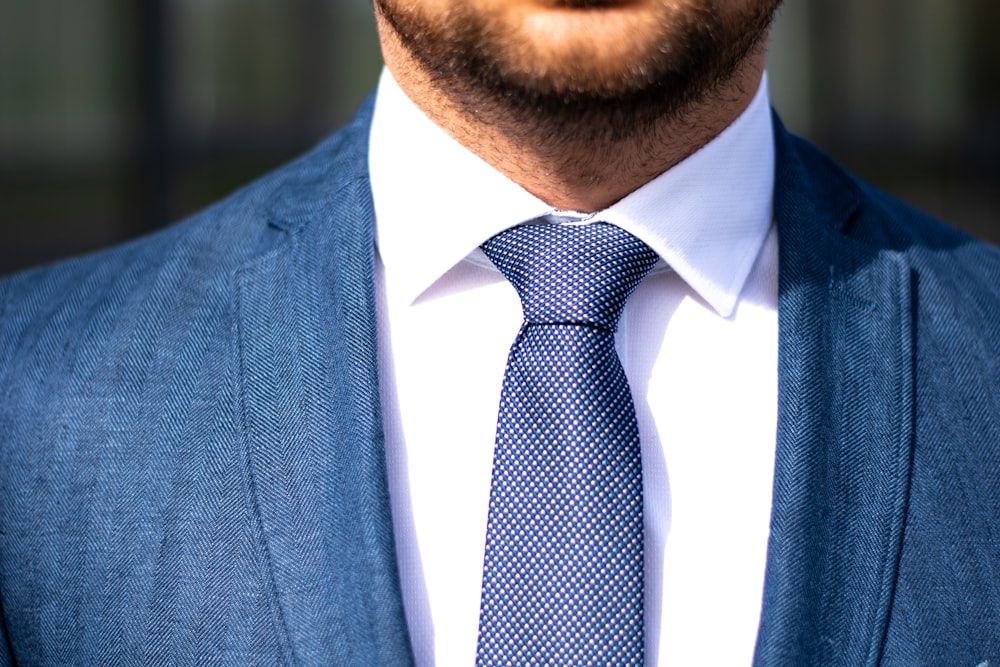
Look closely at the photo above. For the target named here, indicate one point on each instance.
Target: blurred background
(119, 116)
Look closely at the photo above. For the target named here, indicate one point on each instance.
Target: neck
(575, 166)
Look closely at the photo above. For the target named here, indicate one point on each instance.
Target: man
(265, 435)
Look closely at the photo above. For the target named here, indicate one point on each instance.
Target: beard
(663, 58)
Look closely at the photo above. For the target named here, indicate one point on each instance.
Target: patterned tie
(563, 571)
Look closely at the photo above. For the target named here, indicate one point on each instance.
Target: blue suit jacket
(191, 453)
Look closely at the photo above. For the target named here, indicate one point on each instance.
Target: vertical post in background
(790, 66)
(155, 161)
(981, 60)
(829, 37)
(314, 67)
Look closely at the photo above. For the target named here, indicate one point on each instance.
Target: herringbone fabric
(563, 570)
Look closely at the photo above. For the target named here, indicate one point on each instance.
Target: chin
(568, 57)
(605, 49)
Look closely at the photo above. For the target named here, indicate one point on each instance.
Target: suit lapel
(311, 415)
(845, 424)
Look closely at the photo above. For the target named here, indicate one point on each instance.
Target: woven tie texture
(563, 570)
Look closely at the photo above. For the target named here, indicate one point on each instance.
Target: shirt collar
(436, 202)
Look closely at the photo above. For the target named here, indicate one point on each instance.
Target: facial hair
(464, 55)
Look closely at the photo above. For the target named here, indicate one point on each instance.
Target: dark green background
(118, 116)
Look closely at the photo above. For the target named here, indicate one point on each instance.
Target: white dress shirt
(698, 341)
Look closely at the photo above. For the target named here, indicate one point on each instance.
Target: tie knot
(571, 274)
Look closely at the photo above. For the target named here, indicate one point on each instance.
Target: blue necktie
(563, 570)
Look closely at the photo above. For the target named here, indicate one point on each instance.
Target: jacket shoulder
(879, 221)
(179, 268)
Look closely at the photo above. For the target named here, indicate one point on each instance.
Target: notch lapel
(312, 419)
(845, 424)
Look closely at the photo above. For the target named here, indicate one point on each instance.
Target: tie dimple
(563, 569)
